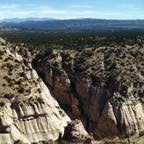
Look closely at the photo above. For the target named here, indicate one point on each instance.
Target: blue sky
(66, 9)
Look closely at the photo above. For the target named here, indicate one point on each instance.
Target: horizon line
(68, 18)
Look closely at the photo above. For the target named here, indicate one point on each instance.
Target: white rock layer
(34, 117)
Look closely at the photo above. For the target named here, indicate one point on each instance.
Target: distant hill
(72, 24)
(20, 20)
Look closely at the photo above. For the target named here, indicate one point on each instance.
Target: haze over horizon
(64, 9)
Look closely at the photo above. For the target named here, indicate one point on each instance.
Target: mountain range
(71, 24)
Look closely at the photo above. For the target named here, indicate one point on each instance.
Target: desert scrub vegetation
(8, 95)
(102, 58)
(105, 66)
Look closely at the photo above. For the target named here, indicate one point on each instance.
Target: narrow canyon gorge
(86, 96)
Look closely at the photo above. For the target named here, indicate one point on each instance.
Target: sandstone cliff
(103, 87)
(28, 112)
(100, 94)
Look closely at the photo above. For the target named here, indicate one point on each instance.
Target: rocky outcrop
(124, 120)
(107, 124)
(28, 112)
(101, 90)
(75, 132)
(106, 84)
(60, 86)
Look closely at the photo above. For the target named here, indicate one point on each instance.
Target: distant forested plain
(44, 40)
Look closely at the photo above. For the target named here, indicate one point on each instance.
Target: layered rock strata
(28, 112)
(106, 85)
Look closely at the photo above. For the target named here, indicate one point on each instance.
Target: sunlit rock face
(102, 88)
(105, 86)
(28, 112)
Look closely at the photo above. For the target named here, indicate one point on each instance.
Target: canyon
(86, 96)
(103, 87)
